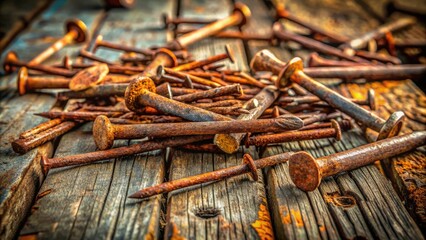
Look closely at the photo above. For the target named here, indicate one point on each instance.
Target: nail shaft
(306, 172)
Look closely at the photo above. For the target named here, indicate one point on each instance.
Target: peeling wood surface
(91, 201)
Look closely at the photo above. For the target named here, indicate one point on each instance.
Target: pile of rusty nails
(163, 96)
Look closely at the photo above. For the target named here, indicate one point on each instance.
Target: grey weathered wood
(21, 175)
(240, 203)
(91, 201)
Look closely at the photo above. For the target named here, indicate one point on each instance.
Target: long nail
(104, 132)
(240, 16)
(85, 158)
(292, 72)
(248, 166)
(306, 172)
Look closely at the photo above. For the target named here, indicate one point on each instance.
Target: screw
(85, 158)
(283, 13)
(76, 32)
(12, 61)
(361, 42)
(104, 132)
(306, 172)
(370, 100)
(229, 143)
(26, 84)
(248, 166)
(294, 71)
(197, 64)
(240, 16)
(141, 92)
(263, 140)
(26, 144)
(286, 35)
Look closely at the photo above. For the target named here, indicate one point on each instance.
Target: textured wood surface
(91, 201)
(21, 174)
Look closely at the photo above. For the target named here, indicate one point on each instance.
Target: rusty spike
(85, 158)
(104, 132)
(292, 72)
(306, 172)
(76, 32)
(248, 166)
(241, 14)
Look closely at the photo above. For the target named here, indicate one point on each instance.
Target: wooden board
(91, 201)
(319, 214)
(239, 204)
(21, 174)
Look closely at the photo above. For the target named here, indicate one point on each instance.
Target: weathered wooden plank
(91, 201)
(21, 174)
(321, 213)
(238, 205)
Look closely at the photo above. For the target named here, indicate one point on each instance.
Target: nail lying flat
(306, 172)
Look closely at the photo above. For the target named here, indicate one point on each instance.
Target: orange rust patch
(297, 217)
(176, 233)
(263, 225)
(285, 216)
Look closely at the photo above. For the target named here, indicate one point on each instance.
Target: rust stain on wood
(263, 225)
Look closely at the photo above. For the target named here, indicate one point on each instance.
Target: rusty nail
(240, 16)
(99, 42)
(89, 77)
(26, 144)
(229, 143)
(315, 60)
(161, 70)
(26, 84)
(197, 64)
(77, 115)
(85, 158)
(104, 132)
(293, 72)
(361, 42)
(212, 93)
(40, 128)
(12, 62)
(248, 166)
(306, 172)
(95, 91)
(262, 140)
(283, 34)
(76, 31)
(141, 92)
(179, 20)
